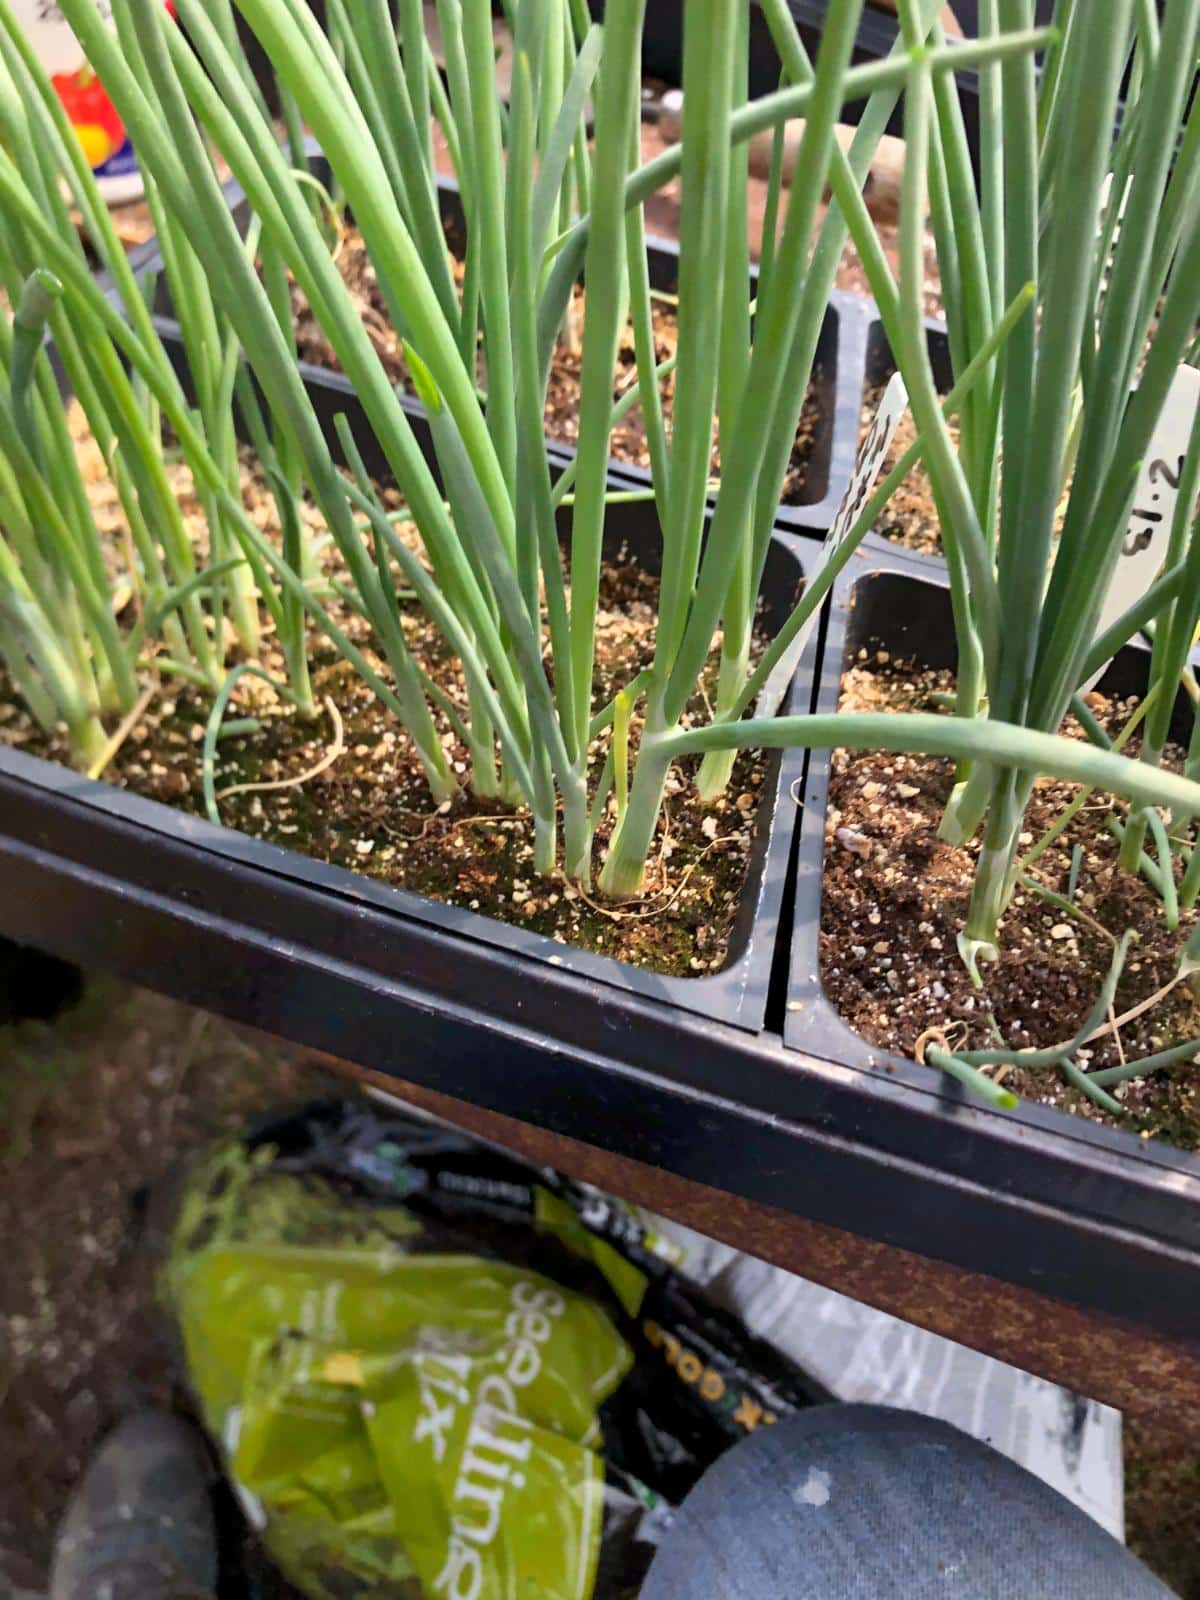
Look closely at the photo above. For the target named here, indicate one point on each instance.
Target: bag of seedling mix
(435, 1370)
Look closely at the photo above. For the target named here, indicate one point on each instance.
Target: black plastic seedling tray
(790, 1116)
(836, 379)
(798, 1124)
(1036, 1201)
(1122, 1184)
(736, 993)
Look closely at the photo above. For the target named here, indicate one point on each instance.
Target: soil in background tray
(371, 810)
(895, 897)
(628, 441)
(910, 517)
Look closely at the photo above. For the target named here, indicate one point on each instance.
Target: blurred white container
(99, 128)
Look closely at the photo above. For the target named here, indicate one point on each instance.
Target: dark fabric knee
(850, 1502)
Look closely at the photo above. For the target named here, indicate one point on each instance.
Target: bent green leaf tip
(427, 390)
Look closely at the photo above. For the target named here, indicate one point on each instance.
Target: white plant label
(1144, 547)
(872, 452)
(1102, 218)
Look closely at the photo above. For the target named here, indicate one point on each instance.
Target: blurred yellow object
(344, 1367)
(97, 145)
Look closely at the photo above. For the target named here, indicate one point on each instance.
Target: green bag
(421, 1416)
(439, 1373)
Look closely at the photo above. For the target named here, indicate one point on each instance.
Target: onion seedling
(1106, 223)
(519, 619)
(83, 612)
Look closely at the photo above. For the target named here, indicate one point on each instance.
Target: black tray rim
(736, 993)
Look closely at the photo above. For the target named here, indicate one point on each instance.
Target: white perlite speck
(814, 1491)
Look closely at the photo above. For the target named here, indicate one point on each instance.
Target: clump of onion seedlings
(84, 618)
(520, 621)
(1103, 214)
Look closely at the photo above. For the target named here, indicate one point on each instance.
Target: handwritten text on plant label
(872, 452)
(1144, 547)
